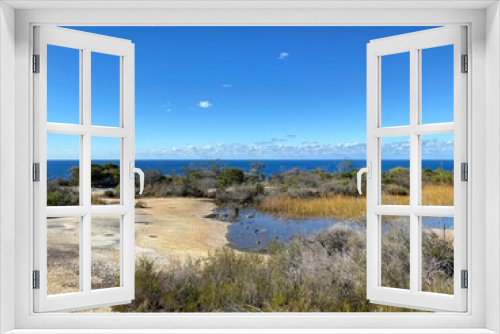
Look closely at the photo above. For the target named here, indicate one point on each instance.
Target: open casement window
(67, 118)
(386, 216)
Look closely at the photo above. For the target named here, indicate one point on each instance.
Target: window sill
(251, 331)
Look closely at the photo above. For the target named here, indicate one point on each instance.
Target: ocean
(61, 168)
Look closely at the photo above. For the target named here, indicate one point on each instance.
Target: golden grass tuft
(338, 206)
(441, 195)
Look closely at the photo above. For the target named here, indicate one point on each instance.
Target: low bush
(326, 273)
(58, 195)
(241, 195)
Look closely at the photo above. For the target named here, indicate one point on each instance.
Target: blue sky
(249, 92)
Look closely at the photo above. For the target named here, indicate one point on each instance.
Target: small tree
(230, 177)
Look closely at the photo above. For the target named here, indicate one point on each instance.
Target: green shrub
(61, 196)
(102, 176)
(230, 177)
(241, 195)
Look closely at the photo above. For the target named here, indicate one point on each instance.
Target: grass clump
(339, 206)
(438, 194)
(141, 204)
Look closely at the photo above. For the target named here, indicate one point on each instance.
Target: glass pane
(105, 170)
(395, 90)
(105, 252)
(437, 84)
(437, 169)
(105, 90)
(395, 166)
(395, 252)
(63, 169)
(437, 254)
(63, 85)
(63, 260)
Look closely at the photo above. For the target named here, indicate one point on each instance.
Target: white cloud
(431, 149)
(167, 107)
(261, 150)
(205, 104)
(277, 149)
(227, 85)
(283, 55)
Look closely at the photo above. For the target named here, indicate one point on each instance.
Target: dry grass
(441, 195)
(328, 207)
(390, 199)
(433, 194)
(343, 207)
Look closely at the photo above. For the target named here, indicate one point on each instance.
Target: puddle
(253, 230)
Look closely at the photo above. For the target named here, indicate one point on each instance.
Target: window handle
(139, 171)
(368, 171)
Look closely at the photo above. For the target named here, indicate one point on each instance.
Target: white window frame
(483, 211)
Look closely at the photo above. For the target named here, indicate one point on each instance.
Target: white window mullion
(86, 269)
(85, 174)
(430, 129)
(414, 169)
(127, 102)
(373, 183)
(394, 131)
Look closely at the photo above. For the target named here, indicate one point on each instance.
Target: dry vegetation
(185, 267)
(440, 195)
(325, 273)
(340, 207)
(348, 207)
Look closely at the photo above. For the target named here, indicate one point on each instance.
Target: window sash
(413, 43)
(87, 43)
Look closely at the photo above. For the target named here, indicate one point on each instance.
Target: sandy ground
(166, 230)
(173, 229)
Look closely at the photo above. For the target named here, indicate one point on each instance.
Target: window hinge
(36, 172)
(465, 64)
(464, 172)
(465, 279)
(36, 279)
(36, 63)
